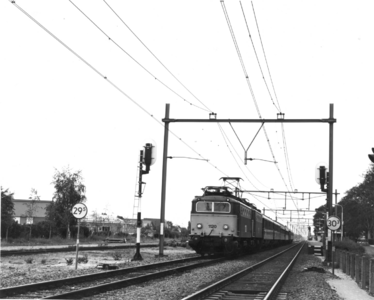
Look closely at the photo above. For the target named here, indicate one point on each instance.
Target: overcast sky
(58, 110)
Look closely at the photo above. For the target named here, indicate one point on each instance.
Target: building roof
(21, 207)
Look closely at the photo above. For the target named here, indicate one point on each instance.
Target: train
(222, 222)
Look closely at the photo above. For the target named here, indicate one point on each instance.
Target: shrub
(43, 261)
(83, 259)
(349, 245)
(117, 255)
(29, 260)
(69, 261)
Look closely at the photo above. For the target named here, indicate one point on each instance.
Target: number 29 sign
(79, 210)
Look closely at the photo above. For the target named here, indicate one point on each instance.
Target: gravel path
(309, 285)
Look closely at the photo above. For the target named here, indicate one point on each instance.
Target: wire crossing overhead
(138, 63)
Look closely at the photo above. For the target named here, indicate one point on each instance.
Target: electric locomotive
(222, 222)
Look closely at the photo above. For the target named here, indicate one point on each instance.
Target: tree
(358, 207)
(69, 190)
(32, 207)
(7, 210)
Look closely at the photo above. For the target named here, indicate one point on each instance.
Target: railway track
(5, 253)
(89, 285)
(260, 281)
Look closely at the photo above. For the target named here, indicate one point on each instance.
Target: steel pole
(331, 173)
(77, 247)
(164, 172)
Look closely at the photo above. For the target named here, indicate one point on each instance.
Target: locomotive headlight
(226, 227)
(199, 226)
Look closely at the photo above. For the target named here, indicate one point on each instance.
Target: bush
(69, 261)
(43, 261)
(83, 259)
(29, 260)
(83, 231)
(349, 245)
(117, 255)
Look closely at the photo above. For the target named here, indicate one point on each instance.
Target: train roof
(225, 191)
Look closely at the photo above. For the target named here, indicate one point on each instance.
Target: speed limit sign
(79, 210)
(333, 223)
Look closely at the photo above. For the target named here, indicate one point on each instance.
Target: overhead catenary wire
(258, 61)
(250, 86)
(167, 69)
(106, 78)
(162, 65)
(263, 50)
(135, 60)
(288, 165)
(146, 48)
(109, 81)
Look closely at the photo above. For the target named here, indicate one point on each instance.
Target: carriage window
(204, 206)
(221, 207)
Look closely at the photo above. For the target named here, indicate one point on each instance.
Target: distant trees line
(69, 190)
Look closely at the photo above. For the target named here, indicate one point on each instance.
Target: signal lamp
(199, 226)
(371, 156)
(226, 227)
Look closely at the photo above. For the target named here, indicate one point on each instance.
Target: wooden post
(343, 260)
(371, 276)
(352, 266)
(358, 259)
(347, 263)
(364, 275)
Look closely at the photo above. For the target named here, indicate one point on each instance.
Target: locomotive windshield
(219, 207)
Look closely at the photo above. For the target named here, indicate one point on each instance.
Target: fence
(359, 267)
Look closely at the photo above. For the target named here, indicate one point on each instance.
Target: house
(30, 211)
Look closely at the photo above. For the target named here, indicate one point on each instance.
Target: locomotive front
(213, 221)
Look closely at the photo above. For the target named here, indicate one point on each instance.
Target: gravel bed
(181, 285)
(15, 271)
(309, 285)
(299, 286)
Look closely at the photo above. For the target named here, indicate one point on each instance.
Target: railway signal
(371, 156)
(148, 158)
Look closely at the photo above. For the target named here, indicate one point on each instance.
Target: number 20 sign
(79, 211)
(333, 223)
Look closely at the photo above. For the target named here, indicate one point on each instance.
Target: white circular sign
(79, 210)
(333, 223)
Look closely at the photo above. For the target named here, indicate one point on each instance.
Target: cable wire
(110, 82)
(250, 87)
(156, 56)
(136, 61)
(258, 61)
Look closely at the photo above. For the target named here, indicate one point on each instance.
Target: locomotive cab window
(204, 206)
(219, 207)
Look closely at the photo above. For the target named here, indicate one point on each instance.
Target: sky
(88, 88)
